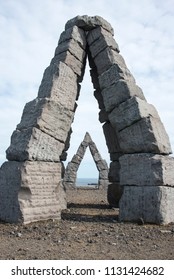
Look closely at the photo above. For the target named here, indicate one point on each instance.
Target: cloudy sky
(29, 32)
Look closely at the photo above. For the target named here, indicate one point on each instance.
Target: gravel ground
(89, 229)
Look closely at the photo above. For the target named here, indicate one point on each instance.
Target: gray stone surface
(73, 47)
(71, 61)
(114, 193)
(75, 33)
(33, 144)
(107, 58)
(114, 172)
(88, 23)
(146, 170)
(50, 117)
(31, 191)
(152, 204)
(59, 83)
(113, 74)
(120, 92)
(146, 136)
(99, 97)
(111, 138)
(94, 78)
(99, 39)
(130, 112)
(103, 116)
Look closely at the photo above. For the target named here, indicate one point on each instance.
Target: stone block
(33, 144)
(113, 74)
(103, 184)
(50, 117)
(76, 159)
(152, 204)
(99, 97)
(145, 136)
(71, 61)
(94, 152)
(114, 172)
(88, 23)
(73, 47)
(94, 78)
(111, 138)
(102, 165)
(103, 174)
(103, 116)
(130, 112)
(107, 58)
(120, 92)
(114, 194)
(99, 39)
(71, 172)
(115, 156)
(75, 33)
(146, 170)
(59, 83)
(31, 191)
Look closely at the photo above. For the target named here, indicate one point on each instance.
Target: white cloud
(29, 32)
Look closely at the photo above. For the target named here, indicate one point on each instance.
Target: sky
(29, 32)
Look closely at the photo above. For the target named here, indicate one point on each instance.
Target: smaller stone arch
(70, 176)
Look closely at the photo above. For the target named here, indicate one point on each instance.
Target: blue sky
(29, 32)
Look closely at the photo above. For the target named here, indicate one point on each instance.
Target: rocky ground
(89, 229)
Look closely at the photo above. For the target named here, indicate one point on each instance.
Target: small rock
(165, 231)
(19, 234)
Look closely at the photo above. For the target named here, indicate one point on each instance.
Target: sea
(86, 181)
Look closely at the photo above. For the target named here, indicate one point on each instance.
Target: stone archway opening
(92, 175)
(70, 175)
(137, 142)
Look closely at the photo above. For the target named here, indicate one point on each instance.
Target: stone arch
(137, 141)
(70, 175)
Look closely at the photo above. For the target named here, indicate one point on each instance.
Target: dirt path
(89, 229)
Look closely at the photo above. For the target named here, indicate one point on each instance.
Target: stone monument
(70, 175)
(141, 170)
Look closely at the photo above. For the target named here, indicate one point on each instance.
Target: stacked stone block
(140, 176)
(132, 126)
(71, 170)
(31, 181)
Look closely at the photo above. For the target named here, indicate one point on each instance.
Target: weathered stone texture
(120, 92)
(108, 57)
(111, 138)
(152, 204)
(99, 97)
(31, 191)
(131, 111)
(33, 144)
(99, 39)
(71, 61)
(146, 170)
(103, 116)
(88, 23)
(73, 47)
(114, 172)
(50, 117)
(75, 33)
(60, 84)
(113, 74)
(147, 136)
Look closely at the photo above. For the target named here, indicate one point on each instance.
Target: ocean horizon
(86, 181)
